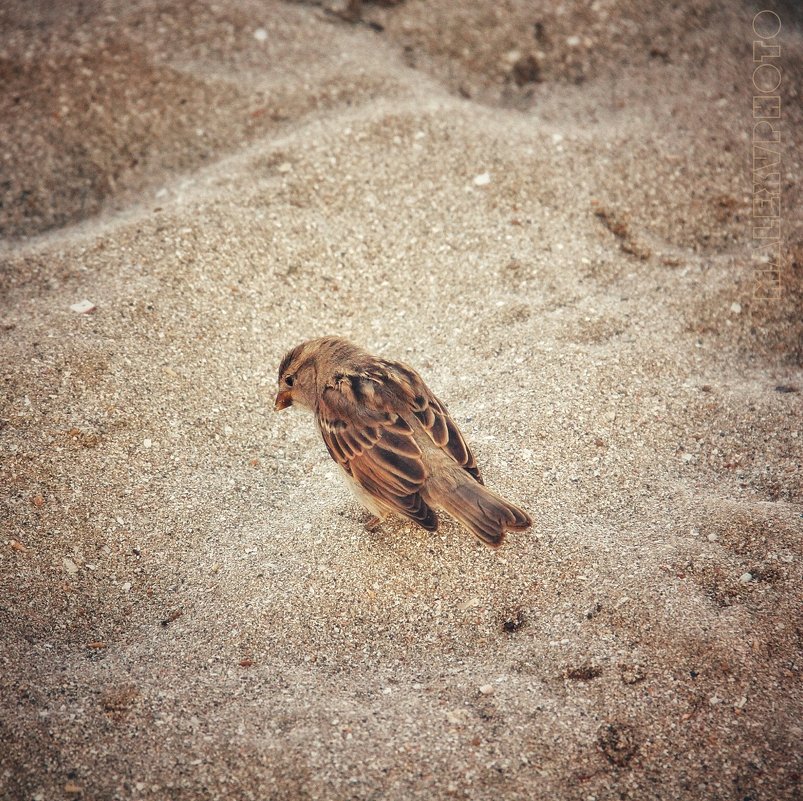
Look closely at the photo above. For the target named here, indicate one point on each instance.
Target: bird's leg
(372, 523)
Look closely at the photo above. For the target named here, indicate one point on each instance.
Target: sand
(546, 210)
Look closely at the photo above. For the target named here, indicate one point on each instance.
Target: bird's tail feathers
(484, 513)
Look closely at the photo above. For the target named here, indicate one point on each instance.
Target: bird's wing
(434, 417)
(374, 444)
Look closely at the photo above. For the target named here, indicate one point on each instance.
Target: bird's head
(303, 367)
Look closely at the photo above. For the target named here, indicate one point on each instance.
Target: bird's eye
(289, 380)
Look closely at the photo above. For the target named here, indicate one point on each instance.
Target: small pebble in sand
(146, 443)
(593, 611)
(83, 307)
(514, 622)
(746, 578)
(526, 69)
(261, 35)
(69, 566)
(174, 615)
(712, 537)
(487, 689)
(736, 308)
(632, 674)
(483, 179)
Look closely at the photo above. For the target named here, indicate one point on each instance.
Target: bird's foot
(373, 523)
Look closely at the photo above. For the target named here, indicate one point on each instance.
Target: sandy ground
(546, 210)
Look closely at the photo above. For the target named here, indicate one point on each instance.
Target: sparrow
(395, 441)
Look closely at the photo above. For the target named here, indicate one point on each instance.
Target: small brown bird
(393, 438)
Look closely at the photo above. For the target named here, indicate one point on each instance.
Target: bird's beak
(283, 400)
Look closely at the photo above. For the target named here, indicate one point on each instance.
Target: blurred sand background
(543, 207)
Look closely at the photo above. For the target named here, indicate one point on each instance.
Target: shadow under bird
(395, 441)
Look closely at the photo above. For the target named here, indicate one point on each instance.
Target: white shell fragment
(83, 307)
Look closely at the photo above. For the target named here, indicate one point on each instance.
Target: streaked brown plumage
(393, 438)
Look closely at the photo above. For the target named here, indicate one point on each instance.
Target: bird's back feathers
(367, 417)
